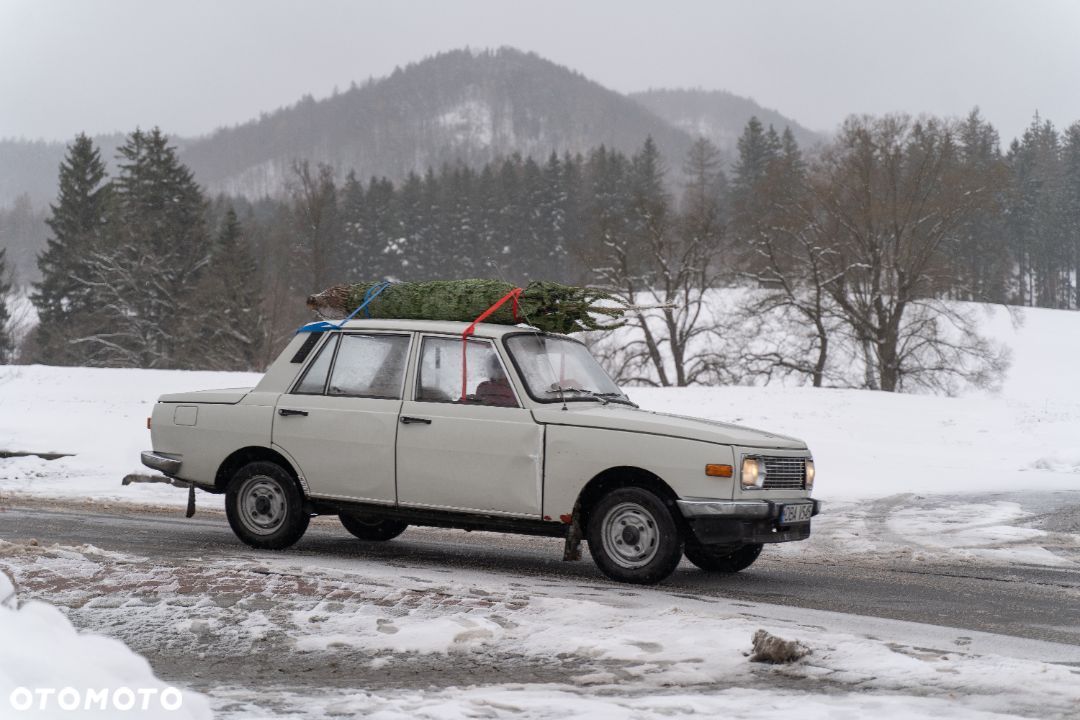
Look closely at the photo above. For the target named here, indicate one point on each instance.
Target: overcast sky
(193, 65)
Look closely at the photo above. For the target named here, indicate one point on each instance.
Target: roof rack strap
(512, 295)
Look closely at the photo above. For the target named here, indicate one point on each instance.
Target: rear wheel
(372, 527)
(265, 507)
(722, 560)
(633, 537)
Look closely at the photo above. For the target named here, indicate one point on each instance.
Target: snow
(96, 415)
(643, 653)
(471, 122)
(867, 445)
(923, 478)
(42, 650)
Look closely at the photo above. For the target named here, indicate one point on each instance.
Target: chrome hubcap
(630, 536)
(262, 505)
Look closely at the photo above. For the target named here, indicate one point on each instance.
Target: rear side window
(314, 379)
(370, 366)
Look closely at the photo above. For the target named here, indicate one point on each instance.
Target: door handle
(285, 412)
(406, 420)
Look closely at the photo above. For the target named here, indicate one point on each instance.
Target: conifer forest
(866, 236)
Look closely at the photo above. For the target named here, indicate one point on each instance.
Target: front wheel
(265, 507)
(723, 560)
(372, 527)
(633, 537)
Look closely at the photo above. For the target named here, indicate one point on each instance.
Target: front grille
(784, 473)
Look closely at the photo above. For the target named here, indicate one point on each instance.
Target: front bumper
(168, 464)
(742, 522)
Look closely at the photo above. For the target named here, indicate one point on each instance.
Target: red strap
(512, 295)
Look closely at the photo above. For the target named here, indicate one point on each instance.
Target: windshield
(555, 368)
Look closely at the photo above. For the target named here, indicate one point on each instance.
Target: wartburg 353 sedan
(391, 423)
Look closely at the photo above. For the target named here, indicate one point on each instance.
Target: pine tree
(705, 188)
(385, 252)
(77, 223)
(553, 216)
(534, 242)
(145, 279)
(7, 343)
(604, 226)
(979, 255)
(649, 206)
(234, 336)
(355, 254)
(1035, 215)
(410, 221)
(758, 148)
(1071, 203)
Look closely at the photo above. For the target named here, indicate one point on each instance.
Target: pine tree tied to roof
(547, 306)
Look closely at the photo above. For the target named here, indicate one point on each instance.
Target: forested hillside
(461, 106)
(718, 115)
(457, 107)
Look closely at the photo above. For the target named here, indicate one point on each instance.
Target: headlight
(753, 473)
(810, 472)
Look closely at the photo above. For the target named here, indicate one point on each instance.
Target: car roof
(487, 330)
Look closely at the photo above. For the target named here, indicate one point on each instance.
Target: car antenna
(539, 336)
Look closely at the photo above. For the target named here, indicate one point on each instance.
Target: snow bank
(97, 676)
(96, 415)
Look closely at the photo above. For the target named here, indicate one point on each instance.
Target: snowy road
(1027, 601)
(336, 626)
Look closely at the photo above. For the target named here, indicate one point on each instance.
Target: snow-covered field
(867, 445)
(929, 479)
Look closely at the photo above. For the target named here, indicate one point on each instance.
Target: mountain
(30, 168)
(460, 106)
(718, 115)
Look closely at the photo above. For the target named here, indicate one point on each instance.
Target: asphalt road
(1028, 602)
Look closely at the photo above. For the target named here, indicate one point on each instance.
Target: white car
(390, 423)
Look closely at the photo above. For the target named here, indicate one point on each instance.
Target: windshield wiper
(617, 397)
(604, 397)
(559, 389)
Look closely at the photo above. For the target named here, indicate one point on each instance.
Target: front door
(473, 448)
(339, 422)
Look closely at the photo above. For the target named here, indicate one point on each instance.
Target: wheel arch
(253, 453)
(619, 477)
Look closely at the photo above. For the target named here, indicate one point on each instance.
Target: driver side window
(439, 376)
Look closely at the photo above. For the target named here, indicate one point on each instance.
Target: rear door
(481, 453)
(339, 421)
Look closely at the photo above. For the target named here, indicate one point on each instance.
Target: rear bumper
(168, 464)
(742, 522)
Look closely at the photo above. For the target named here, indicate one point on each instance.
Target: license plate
(796, 513)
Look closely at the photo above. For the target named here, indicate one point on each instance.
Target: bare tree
(669, 264)
(890, 194)
(315, 210)
(850, 257)
(787, 260)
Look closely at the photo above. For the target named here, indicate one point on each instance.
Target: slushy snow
(41, 650)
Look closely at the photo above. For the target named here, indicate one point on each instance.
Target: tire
(372, 527)
(265, 507)
(722, 560)
(633, 536)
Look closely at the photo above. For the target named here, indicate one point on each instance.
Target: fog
(108, 65)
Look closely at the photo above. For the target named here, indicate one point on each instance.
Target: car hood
(227, 396)
(621, 417)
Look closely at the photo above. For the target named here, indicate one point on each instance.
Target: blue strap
(322, 325)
